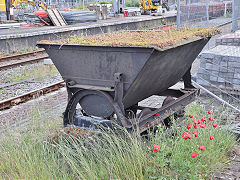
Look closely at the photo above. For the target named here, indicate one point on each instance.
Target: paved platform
(15, 32)
(19, 38)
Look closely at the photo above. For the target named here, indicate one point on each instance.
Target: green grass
(2, 91)
(132, 3)
(46, 151)
(104, 2)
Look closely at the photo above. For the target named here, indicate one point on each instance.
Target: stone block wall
(232, 39)
(220, 68)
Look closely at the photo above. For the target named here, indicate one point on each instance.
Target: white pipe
(215, 96)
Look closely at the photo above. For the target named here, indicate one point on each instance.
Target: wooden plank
(60, 18)
(53, 17)
(56, 17)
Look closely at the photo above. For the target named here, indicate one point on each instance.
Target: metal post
(83, 4)
(115, 5)
(235, 4)
(207, 13)
(7, 9)
(207, 20)
(225, 9)
(11, 10)
(178, 14)
(215, 96)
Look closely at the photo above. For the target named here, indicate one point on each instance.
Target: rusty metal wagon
(105, 82)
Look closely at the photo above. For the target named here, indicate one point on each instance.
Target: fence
(203, 12)
(219, 70)
(236, 15)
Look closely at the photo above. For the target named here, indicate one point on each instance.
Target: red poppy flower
(210, 112)
(161, 126)
(215, 124)
(202, 148)
(194, 121)
(184, 137)
(68, 132)
(211, 137)
(191, 116)
(211, 118)
(157, 114)
(196, 134)
(70, 129)
(204, 119)
(195, 126)
(193, 155)
(189, 136)
(202, 125)
(155, 150)
(198, 121)
(189, 126)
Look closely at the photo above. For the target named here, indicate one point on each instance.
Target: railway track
(30, 95)
(15, 60)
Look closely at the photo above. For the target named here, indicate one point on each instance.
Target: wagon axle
(93, 114)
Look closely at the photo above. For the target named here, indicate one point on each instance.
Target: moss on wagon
(142, 38)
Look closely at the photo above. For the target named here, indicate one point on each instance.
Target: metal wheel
(93, 103)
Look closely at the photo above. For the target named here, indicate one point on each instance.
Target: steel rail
(20, 55)
(30, 95)
(23, 62)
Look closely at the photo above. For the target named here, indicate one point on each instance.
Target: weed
(45, 151)
(39, 73)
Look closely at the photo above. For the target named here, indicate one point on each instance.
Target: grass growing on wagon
(46, 152)
(161, 39)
